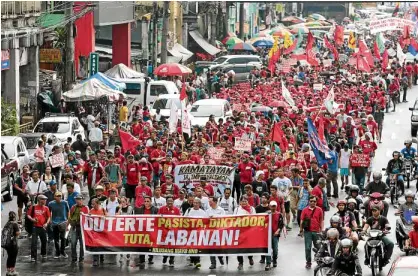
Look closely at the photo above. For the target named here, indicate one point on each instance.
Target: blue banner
(319, 148)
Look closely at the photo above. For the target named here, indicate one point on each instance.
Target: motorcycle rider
(409, 152)
(412, 242)
(331, 245)
(395, 167)
(352, 207)
(409, 204)
(348, 221)
(378, 222)
(353, 193)
(346, 261)
(403, 224)
(335, 223)
(376, 186)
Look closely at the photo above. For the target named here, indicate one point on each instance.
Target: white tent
(121, 71)
(91, 90)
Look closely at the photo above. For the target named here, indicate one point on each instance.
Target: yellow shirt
(123, 114)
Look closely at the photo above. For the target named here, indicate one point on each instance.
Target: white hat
(273, 203)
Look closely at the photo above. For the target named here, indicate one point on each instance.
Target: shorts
(344, 171)
(130, 191)
(287, 207)
(22, 200)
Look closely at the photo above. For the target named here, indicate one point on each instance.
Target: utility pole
(154, 44)
(226, 20)
(213, 25)
(241, 20)
(69, 51)
(166, 14)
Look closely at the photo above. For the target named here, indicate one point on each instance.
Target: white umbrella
(121, 71)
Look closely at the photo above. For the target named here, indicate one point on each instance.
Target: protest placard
(390, 24)
(57, 160)
(360, 160)
(242, 144)
(318, 86)
(216, 153)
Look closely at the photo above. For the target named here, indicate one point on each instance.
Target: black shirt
(377, 224)
(262, 209)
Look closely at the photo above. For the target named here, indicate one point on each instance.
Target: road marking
(393, 136)
(62, 274)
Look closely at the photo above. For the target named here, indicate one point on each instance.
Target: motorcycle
(403, 226)
(376, 249)
(395, 189)
(408, 169)
(377, 200)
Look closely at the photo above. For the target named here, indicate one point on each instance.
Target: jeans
(310, 237)
(41, 233)
(213, 259)
(59, 240)
(275, 246)
(241, 259)
(360, 181)
(75, 237)
(332, 177)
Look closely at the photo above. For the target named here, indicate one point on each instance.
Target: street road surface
(291, 249)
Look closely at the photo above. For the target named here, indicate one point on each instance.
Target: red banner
(177, 235)
(360, 160)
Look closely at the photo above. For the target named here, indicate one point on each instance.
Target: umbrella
(230, 34)
(265, 33)
(277, 103)
(293, 19)
(232, 41)
(303, 29)
(317, 16)
(219, 44)
(172, 69)
(262, 42)
(242, 47)
(280, 32)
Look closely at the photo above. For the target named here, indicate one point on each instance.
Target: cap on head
(99, 187)
(273, 203)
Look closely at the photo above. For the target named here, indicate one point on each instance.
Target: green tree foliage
(9, 118)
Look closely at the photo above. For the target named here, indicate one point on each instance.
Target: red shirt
(89, 168)
(157, 153)
(318, 193)
(132, 171)
(413, 237)
(368, 146)
(246, 172)
(140, 192)
(275, 221)
(169, 211)
(279, 200)
(174, 190)
(254, 200)
(146, 170)
(41, 213)
(316, 215)
(147, 211)
(208, 189)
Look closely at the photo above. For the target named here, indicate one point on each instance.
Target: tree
(9, 118)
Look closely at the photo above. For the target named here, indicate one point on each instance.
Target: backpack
(7, 236)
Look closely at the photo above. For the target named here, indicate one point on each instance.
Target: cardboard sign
(57, 160)
(318, 86)
(242, 144)
(216, 153)
(360, 160)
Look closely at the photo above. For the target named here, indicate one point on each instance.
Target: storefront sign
(50, 55)
(94, 63)
(390, 24)
(176, 235)
(5, 59)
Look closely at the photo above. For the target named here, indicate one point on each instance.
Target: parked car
(61, 125)
(163, 103)
(236, 59)
(404, 265)
(202, 109)
(31, 143)
(9, 173)
(16, 150)
(241, 71)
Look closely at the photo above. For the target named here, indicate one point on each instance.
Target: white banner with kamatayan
(390, 24)
(188, 176)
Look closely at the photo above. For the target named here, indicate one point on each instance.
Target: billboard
(113, 13)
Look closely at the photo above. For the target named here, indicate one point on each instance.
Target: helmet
(379, 205)
(346, 243)
(352, 200)
(335, 219)
(376, 195)
(377, 176)
(395, 152)
(407, 141)
(341, 201)
(333, 233)
(354, 188)
(409, 193)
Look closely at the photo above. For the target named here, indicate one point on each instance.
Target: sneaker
(274, 264)
(267, 268)
(212, 266)
(56, 256)
(95, 263)
(197, 265)
(142, 266)
(74, 261)
(308, 265)
(165, 259)
(221, 261)
(81, 260)
(150, 262)
(366, 262)
(288, 228)
(64, 255)
(240, 267)
(262, 261)
(43, 257)
(171, 264)
(251, 261)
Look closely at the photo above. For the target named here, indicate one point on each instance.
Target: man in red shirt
(245, 169)
(275, 231)
(253, 199)
(318, 192)
(141, 191)
(207, 188)
(93, 168)
(368, 145)
(412, 241)
(40, 216)
(146, 168)
(169, 188)
(157, 156)
(312, 219)
(277, 198)
(133, 174)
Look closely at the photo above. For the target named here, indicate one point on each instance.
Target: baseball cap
(99, 187)
(144, 178)
(79, 196)
(77, 152)
(42, 197)
(273, 203)
(58, 194)
(53, 182)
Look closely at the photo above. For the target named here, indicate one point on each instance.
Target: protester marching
(300, 129)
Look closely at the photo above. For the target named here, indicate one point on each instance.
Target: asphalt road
(291, 249)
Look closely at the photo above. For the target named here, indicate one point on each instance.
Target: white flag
(286, 95)
(172, 123)
(186, 123)
(329, 101)
(400, 55)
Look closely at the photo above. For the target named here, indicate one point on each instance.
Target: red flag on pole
(277, 135)
(291, 48)
(310, 55)
(273, 60)
(332, 48)
(385, 59)
(128, 141)
(339, 35)
(362, 64)
(364, 51)
(376, 50)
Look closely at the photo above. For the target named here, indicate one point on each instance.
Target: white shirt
(241, 211)
(65, 192)
(158, 202)
(48, 150)
(110, 206)
(96, 135)
(38, 187)
(229, 205)
(196, 213)
(345, 158)
(204, 202)
(217, 212)
(178, 202)
(283, 185)
(90, 122)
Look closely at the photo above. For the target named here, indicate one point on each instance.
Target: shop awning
(179, 51)
(210, 49)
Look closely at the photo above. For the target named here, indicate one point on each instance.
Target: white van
(163, 104)
(202, 109)
(135, 88)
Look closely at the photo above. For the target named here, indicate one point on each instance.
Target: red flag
(273, 60)
(128, 141)
(183, 94)
(277, 135)
(385, 60)
(362, 64)
(339, 35)
(376, 50)
(332, 48)
(414, 44)
(321, 129)
(291, 48)
(406, 35)
(364, 51)
(310, 55)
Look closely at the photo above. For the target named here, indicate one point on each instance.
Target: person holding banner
(97, 210)
(227, 202)
(277, 225)
(75, 231)
(215, 211)
(244, 209)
